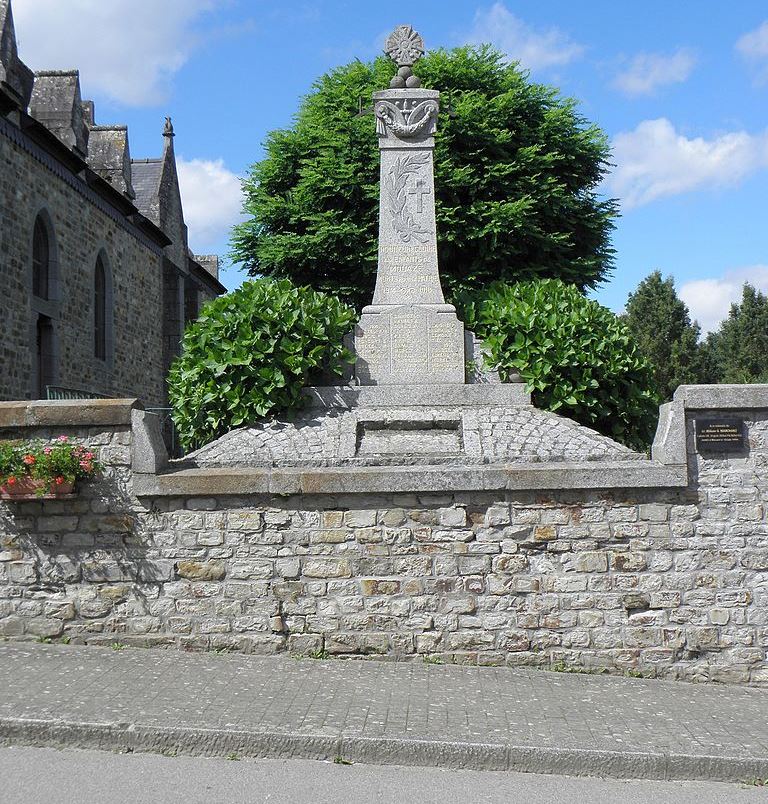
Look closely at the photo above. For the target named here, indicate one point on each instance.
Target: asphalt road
(50, 776)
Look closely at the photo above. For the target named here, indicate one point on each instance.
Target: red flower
(63, 438)
(11, 481)
(29, 460)
(58, 480)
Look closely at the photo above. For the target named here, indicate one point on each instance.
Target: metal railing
(166, 423)
(168, 430)
(59, 392)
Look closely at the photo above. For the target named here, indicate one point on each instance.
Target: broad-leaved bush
(577, 357)
(250, 353)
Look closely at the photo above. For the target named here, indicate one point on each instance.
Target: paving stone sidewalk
(383, 713)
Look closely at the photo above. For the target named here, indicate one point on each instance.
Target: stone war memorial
(422, 508)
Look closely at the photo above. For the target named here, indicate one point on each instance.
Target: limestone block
(380, 587)
(304, 644)
(360, 519)
(628, 562)
(356, 643)
(586, 561)
(62, 610)
(453, 517)
(243, 570)
(44, 626)
(11, 626)
(57, 524)
(21, 572)
(544, 533)
(201, 570)
(719, 616)
(327, 568)
(154, 571)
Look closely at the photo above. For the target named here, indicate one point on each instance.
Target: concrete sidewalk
(380, 713)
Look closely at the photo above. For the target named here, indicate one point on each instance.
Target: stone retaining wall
(666, 581)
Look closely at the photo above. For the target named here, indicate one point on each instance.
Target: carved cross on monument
(409, 335)
(420, 189)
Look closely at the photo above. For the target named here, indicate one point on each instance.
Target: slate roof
(145, 177)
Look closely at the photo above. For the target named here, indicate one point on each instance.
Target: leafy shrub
(576, 356)
(58, 462)
(250, 353)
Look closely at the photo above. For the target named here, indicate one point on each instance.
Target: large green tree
(738, 351)
(662, 328)
(516, 175)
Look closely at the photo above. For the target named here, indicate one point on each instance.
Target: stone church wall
(669, 582)
(83, 227)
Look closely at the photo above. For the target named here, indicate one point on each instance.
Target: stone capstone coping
(347, 397)
(417, 479)
(68, 413)
(722, 397)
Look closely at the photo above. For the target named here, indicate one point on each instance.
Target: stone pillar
(409, 335)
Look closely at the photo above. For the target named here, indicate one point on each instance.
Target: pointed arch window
(41, 261)
(100, 310)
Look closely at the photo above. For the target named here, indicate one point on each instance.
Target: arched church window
(41, 261)
(100, 310)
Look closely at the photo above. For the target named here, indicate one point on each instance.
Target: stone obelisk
(408, 335)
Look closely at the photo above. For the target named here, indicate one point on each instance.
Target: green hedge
(249, 355)
(576, 356)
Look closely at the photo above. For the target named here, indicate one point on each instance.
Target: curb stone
(133, 737)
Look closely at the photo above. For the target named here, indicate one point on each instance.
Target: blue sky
(680, 88)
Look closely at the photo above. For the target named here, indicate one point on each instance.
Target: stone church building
(97, 278)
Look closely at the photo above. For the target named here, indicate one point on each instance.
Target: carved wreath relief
(404, 122)
(395, 183)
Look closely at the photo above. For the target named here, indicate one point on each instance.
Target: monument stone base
(413, 425)
(410, 343)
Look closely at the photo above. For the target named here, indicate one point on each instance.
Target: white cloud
(533, 49)
(709, 300)
(654, 160)
(753, 46)
(648, 71)
(128, 50)
(212, 199)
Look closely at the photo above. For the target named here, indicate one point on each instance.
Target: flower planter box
(27, 488)
(40, 470)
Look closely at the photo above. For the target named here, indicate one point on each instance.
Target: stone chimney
(56, 103)
(109, 156)
(210, 262)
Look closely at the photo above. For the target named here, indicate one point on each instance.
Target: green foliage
(575, 355)
(738, 351)
(661, 325)
(56, 462)
(250, 353)
(516, 177)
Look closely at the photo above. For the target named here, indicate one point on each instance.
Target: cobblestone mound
(396, 436)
